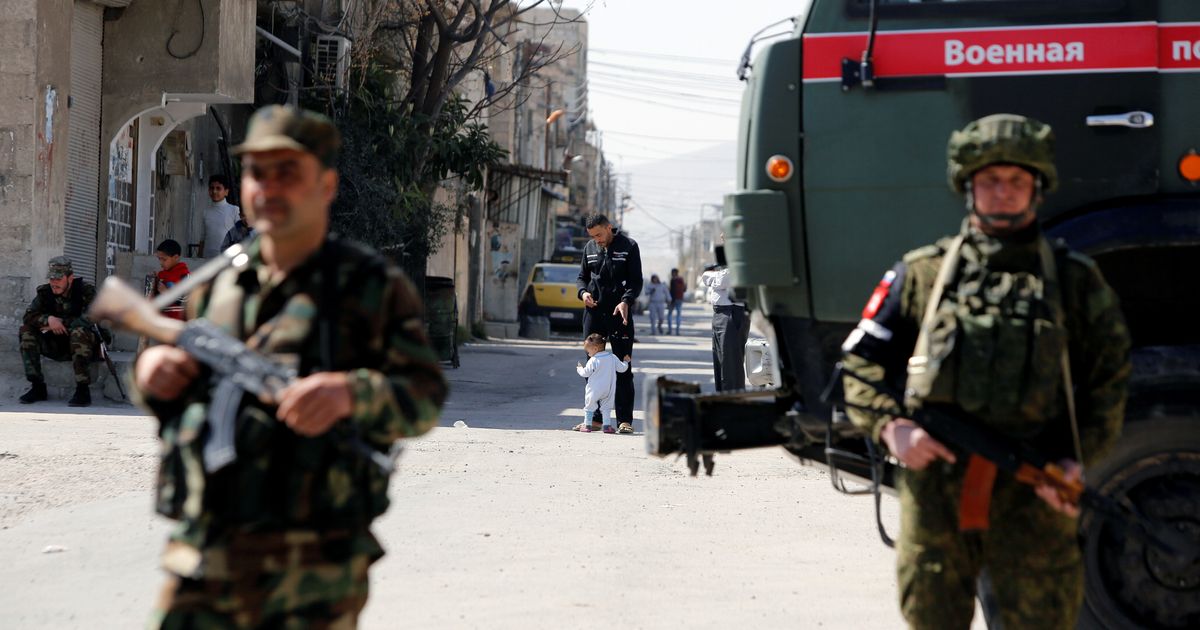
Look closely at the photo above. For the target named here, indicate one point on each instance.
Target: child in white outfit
(601, 390)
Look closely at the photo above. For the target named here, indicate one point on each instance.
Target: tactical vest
(280, 480)
(70, 308)
(992, 343)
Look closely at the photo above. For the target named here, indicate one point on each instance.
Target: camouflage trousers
(77, 346)
(1030, 553)
(267, 582)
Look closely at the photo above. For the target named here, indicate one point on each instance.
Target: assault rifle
(112, 369)
(1025, 463)
(239, 369)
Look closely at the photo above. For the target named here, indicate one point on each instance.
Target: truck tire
(1156, 464)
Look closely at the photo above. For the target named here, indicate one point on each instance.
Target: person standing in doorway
(219, 217)
(610, 280)
(678, 290)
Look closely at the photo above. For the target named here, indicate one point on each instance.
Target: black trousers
(600, 320)
(730, 330)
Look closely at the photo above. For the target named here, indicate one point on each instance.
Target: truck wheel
(1156, 465)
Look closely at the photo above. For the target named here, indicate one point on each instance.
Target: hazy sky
(663, 87)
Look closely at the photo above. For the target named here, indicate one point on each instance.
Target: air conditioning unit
(331, 61)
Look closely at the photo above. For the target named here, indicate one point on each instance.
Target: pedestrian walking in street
(56, 326)
(678, 290)
(610, 281)
(657, 297)
(280, 536)
(1021, 336)
(600, 393)
(730, 330)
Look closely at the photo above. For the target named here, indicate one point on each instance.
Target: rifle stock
(122, 307)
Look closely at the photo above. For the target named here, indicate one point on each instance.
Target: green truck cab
(842, 169)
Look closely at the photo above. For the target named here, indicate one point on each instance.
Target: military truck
(842, 168)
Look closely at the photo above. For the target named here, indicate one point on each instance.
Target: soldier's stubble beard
(1002, 224)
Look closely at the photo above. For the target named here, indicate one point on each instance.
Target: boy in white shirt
(601, 389)
(218, 218)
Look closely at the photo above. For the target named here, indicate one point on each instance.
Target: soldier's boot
(82, 397)
(37, 392)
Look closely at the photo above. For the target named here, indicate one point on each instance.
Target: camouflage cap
(1001, 139)
(60, 267)
(278, 127)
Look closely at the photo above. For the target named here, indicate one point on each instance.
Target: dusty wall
(33, 147)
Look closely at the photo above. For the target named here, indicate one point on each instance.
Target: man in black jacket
(610, 279)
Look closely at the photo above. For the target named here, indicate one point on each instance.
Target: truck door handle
(1133, 120)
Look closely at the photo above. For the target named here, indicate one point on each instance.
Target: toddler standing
(601, 389)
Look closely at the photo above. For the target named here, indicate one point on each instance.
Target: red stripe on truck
(1116, 47)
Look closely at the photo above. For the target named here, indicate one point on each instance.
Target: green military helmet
(1001, 139)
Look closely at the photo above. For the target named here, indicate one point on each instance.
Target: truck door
(875, 156)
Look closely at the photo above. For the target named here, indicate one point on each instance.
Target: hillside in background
(667, 194)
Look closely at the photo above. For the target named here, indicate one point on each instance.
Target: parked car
(551, 293)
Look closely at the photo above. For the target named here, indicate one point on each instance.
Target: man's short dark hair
(220, 179)
(169, 247)
(595, 219)
(675, 271)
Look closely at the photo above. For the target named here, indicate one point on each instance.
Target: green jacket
(71, 306)
(280, 480)
(1097, 339)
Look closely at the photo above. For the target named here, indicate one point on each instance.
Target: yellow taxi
(551, 293)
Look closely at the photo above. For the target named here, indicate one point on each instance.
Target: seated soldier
(55, 326)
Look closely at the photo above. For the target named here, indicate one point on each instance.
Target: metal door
(83, 138)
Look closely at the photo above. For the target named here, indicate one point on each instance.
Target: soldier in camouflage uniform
(981, 325)
(280, 537)
(55, 326)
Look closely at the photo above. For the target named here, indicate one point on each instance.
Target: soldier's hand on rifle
(588, 300)
(55, 324)
(912, 445)
(163, 372)
(312, 405)
(1072, 472)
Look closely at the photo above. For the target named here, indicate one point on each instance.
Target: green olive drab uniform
(280, 536)
(78, 345)
(998, 337)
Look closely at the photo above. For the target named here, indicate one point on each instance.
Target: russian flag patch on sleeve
(879, 295)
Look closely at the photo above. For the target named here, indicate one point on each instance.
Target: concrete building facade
(91, 92)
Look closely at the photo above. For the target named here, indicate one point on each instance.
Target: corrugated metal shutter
(83, 138)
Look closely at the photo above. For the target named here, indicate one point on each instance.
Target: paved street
(513, 522)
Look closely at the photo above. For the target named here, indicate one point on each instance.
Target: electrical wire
(175, 31)
(661, 82)
(651, 216)
(605, 84)
(645, 136)
(664, 158)
(698, 76)
(674, 106)
(620, 143)
(642, 55)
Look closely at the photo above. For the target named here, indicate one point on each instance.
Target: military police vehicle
(842, 168)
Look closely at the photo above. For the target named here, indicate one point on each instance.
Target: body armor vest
(992, 343)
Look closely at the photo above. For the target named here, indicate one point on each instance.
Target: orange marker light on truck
(1189, 166)
(779, 168)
